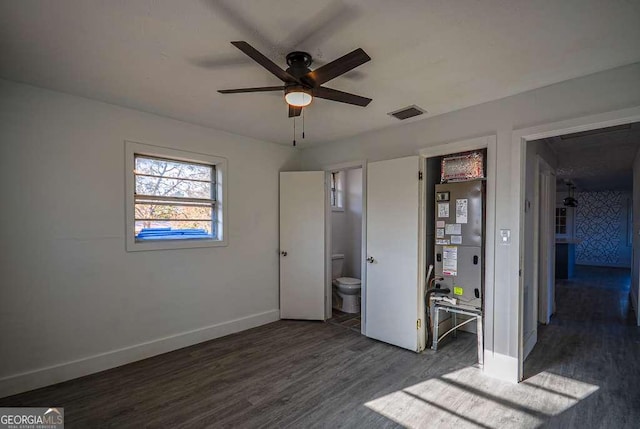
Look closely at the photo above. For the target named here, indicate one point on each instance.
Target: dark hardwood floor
(287, 373)
(348, 320)
(584, 372)
(593, 338)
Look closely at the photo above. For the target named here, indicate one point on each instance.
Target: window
(175, 199)
(337, 191)
(561, 220)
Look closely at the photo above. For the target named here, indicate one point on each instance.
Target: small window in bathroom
(337, 191)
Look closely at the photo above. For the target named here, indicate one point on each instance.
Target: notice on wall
(462, 210)
(439, 232)
(450, 260)
(456, 239)
(440, 224)
(443, 209)
(453, 228)
(442, 242)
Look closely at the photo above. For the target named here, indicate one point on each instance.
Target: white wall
(601, 92)
(353, 209)
(339, 222)
(69, 289)
(346, 224)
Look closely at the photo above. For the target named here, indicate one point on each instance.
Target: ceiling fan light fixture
(298, 96)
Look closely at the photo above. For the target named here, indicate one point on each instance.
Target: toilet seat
(348, 281)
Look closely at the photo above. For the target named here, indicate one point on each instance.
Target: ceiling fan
(301, 84)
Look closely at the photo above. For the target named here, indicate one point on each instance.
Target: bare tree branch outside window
(173, 194)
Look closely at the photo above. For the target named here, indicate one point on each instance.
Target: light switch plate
(505, 236)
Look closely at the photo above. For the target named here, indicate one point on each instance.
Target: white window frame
(131, 150)
(339, 192)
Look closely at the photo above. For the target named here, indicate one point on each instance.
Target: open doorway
(580, 270)
(346, 205)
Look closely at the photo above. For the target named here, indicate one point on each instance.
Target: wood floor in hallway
(585, 372)
(593, 338)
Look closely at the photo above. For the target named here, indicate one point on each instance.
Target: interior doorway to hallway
(581, 247)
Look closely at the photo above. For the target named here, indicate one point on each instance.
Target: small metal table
(455, 310)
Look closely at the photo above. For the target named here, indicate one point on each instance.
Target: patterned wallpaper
(601, 226)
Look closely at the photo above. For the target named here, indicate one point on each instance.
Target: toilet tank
(337, 262)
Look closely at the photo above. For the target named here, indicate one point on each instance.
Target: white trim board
(519, 139)
(501, 366)
(41, 377)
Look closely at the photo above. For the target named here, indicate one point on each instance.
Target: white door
(302, 241)
(395, 305)
(547, 247)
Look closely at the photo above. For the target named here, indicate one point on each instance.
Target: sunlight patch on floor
(467, 398)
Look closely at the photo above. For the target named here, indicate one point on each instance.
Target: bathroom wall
(339, 224)
(346, 223)
(602, 222)
(353, 211)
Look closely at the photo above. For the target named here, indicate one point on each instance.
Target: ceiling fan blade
(336, 67)
(265, 62)
(342, 97)
(258, 89)
(294, 111)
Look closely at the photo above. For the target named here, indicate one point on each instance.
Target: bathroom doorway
(345, 244)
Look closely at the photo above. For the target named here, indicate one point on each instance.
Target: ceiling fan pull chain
(302, 124)
(294, 131)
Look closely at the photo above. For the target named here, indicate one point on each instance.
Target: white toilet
(348, 288)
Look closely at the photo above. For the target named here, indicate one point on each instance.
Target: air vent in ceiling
(407, 112)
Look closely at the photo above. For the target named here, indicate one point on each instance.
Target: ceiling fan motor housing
(299, 63)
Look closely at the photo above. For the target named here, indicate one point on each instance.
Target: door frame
(489, 143)
(519, 139)
(350, 165)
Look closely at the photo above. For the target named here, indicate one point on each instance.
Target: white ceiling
(169, 57)
(598, 160)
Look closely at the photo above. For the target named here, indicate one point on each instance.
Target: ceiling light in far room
(570, 201)
(297, 96)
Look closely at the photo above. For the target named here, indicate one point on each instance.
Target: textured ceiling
(599, 160)
(169, 57)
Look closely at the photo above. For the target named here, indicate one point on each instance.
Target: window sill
(134, 245)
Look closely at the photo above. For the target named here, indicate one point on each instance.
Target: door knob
(370, 259)
(283, 253)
